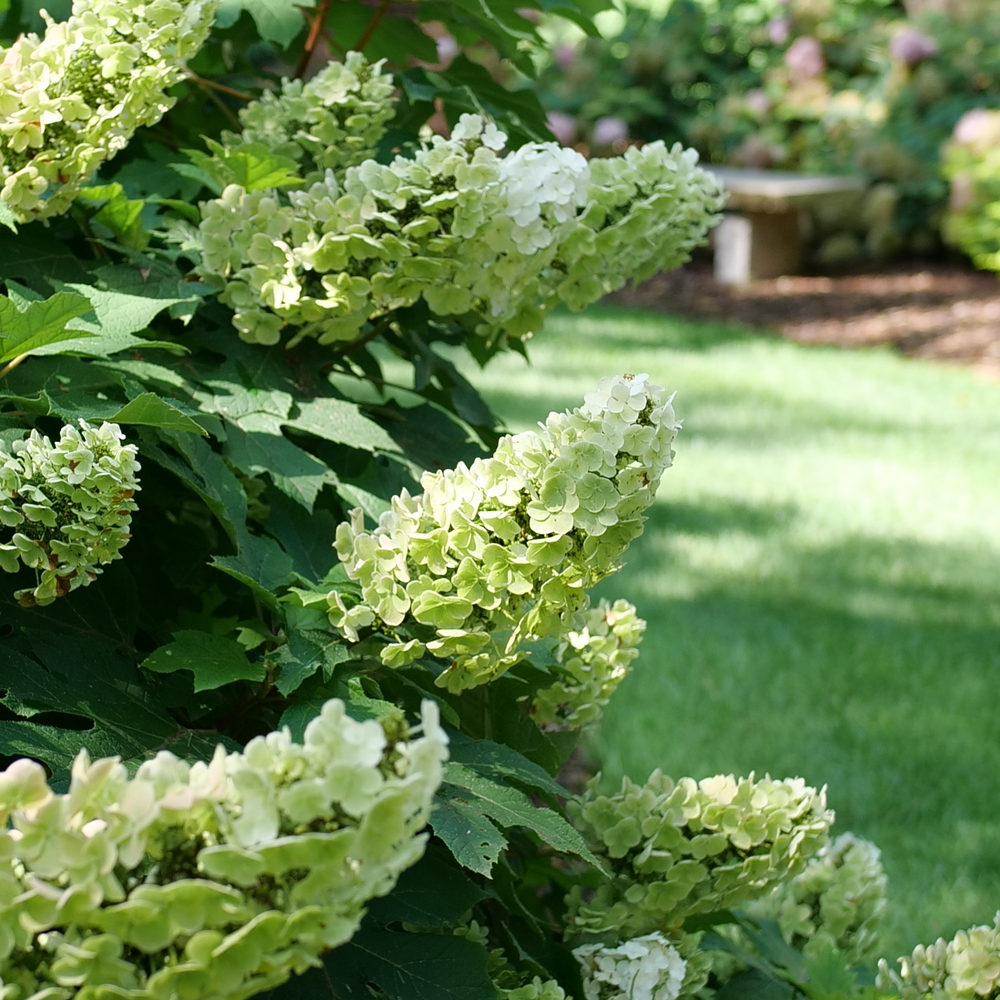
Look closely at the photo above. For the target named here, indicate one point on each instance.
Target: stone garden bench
(760, 234)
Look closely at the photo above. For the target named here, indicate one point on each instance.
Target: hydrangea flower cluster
(593, 661)
(836, 901)
(334, 121)
(210, 880)
(497, 240)
(686, 847)
(643, 968)
(502, 553)
(73, 99)
(69, 506)
(965, 968)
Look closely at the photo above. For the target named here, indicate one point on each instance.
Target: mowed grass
(821, 578)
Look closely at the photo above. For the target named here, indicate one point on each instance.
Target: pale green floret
(500, 554)
(73, 99)
(213, 880)
(837, 901)
(536, 990)
(686, 847)
(333, 122)
(965, 968)
(642, 968)
(495, 239)
(594, 660)
(65, 509)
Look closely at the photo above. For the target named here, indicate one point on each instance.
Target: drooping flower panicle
(73, 99)
(210, 880)
(502, 553)
(686, 847)
(68, 506)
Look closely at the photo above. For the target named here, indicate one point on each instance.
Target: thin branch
(315, 30)
(221, 87)
(10, 366)
(372, 26)
(220, 104)
(354, 345)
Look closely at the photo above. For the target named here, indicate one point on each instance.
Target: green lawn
(821, 578)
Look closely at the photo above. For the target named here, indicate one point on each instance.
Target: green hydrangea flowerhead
(593, 660)
(501, 553)
(212, 880)
(965, 968)
(493, 239)
(73, 99)
(333, 122)
(837, 901)
(537, 989)
(642, 968)
(686, 847)
(68, 506)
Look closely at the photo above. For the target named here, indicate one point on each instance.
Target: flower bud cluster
(69, 506)
(686, 847)
(965, 968)
(643, 968)
(837, 901)
(502, 553)
(334, 121)
(495, 240)
(209, 880)
(593, 661)
(73, 99)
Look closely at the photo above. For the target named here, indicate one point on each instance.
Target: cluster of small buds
(837, 901)
(69, 506)
(687, 847)
(593, 661)
(210, 880)
(643, 968)
(502, 553)
(333, 122)
(965, 968)
(494, 239)
(73, 99)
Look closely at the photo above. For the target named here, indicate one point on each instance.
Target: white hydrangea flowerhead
(594, 660)
(66, 506)
(492, 237)
(965, 968)
(836, 901)
(333, 121)
(644, 968)
(687, 847)
(73, 99)
(502, 553)
(208, 880)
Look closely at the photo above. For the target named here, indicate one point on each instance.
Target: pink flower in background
(608, 131)
(972, 125)
(562, 126)
(757, 101)
(565, 55)
(778, 29)
(447, 49)
(911, 46)
(804, 59)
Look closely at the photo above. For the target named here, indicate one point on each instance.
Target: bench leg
(751, 246)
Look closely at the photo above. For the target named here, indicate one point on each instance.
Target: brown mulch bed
(945, 311)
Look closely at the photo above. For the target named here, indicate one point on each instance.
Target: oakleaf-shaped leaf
(39, 324)
(213, 659)
(151, 410)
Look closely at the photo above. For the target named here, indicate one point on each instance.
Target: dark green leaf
(495, 760)
(213, 659)
(341, 422)
(466, 831)
(37, 256)
(260, 563)
(151, 410)
(755, 985)
(307, 651)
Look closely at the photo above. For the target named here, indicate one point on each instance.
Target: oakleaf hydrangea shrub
(965, 968)
(212, 880)
(643, 968)
(836, 901)
(73, 98)
(593, 661)
(688, 847)
(332, 122)
(493, 239)
(501, 553)
(67, 506)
